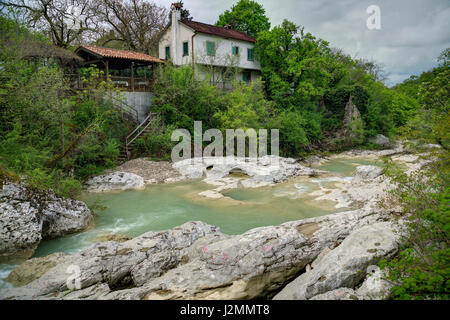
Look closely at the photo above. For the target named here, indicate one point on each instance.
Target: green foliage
(181, 99)
(246, 16)
(430, 122)
(422, 268)
(378, 117)
(245, 107)
(293, 137)
(54, 137)
(296, 67)
(403, 108)
(157, 143)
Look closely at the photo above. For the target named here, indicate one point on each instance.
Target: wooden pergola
(128, 70)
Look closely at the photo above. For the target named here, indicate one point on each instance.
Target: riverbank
(232, 252)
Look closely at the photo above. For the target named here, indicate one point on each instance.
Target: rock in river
(28, 216)
(32, 269)
(346, 265)
(116, 181)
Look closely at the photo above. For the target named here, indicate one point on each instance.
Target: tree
(296, 67)
(135, 24)
(430, 122)
(64, 22)
(246, 16)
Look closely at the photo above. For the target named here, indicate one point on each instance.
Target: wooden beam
(132, 76)
(107, 69)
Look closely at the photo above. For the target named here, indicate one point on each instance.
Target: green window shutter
(235, 51)
(167, 53)
(210, 48)
(245, 76)
(250, 54)
(185, 48)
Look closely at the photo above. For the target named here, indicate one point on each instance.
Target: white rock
(27, 217)
(196, 261)
(211, 194)
(338, 294)
(381, 140)
(344, 266)
(265, 171)
(268, 169)
(115, 181)
(405, 158)
(319, 258)
(364, 173)
(431, 146)
(374, 287)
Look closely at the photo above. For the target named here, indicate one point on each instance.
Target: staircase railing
(136, 133)
(131, 112)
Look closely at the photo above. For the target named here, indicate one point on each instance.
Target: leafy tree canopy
(246, 16)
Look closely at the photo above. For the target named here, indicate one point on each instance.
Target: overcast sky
(412, 34)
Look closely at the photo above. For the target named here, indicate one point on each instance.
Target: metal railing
(124, 107)
(136, 133)
(123, 83)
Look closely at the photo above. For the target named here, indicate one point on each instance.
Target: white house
(220, 53)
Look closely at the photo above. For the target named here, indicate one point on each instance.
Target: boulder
(95, 292)
(338, 294)
(267, 169)
(116, 264)
(352, 124)
(374, 287)
(344, 266)
(32, 269)
(405, 158)
(20, 225)
(197, 261)
(112, 237)
(381, 140)
(364, 190)
(232, 172)
(364, 173)
(28, 216)
(116, 181)
(430, 146)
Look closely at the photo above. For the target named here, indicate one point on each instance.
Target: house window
(246, 76)
(227, 75)
(167, 53)
(235, 51)
(210, 48)
(185, 48)
(250, 54)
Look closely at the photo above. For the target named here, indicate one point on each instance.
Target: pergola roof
(119, 54)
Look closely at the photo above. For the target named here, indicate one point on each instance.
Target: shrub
(422, 268)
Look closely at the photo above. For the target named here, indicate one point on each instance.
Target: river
(164, 206)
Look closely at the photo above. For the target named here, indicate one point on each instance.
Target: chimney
(176, 17)
(227, 26)
(176, 11)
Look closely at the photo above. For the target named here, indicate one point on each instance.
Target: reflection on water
(165, 206)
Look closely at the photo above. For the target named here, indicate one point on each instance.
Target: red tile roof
(120, 54)
(218, 31)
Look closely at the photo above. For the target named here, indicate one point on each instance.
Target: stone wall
(139, 101)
